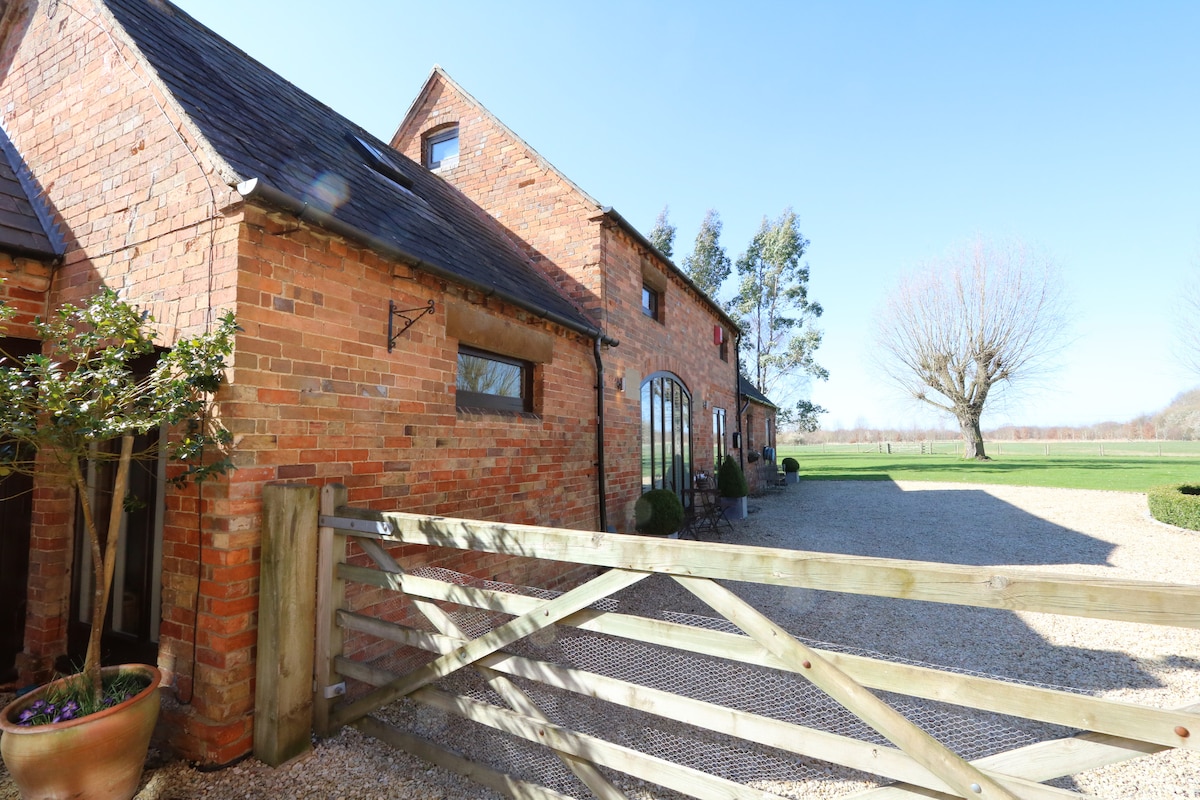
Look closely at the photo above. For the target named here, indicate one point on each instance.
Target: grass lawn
(1126, 474)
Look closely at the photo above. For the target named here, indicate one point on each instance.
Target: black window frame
(652, 302)
(666, 435)
(720, 429)
(484, 401)
(437, 137)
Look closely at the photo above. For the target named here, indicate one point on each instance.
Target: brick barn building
(545, 363)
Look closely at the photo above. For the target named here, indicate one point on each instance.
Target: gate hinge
(335, 690)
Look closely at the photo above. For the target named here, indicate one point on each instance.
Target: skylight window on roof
(382, 164)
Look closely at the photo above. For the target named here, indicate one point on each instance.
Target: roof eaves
(640, 238)
(55, 244)
(149, 73)
(258, 189)
(752, 393)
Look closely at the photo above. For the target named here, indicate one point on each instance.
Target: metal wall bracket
(403, 313)
(381, 527)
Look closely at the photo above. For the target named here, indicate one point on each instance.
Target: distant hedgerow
(1178, 505)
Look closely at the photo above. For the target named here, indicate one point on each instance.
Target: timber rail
(913, 763)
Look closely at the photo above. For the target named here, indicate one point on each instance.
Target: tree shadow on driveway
(955, 526)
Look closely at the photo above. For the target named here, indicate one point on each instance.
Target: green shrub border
(1177, 504)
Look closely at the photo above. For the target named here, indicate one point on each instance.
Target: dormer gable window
(441, 148)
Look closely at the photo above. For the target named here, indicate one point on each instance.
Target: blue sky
(895, 131)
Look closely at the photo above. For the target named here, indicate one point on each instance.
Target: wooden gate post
(283, 711)
(331, 596)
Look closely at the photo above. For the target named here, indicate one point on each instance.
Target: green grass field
(1119, 472)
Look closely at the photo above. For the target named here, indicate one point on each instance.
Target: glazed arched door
(666, 434)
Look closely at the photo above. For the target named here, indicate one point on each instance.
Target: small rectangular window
(718, 416)
(441, 148)
(651, 303)
(489, 381)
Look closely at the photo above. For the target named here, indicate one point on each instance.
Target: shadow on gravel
(958, 526)
(962, 526)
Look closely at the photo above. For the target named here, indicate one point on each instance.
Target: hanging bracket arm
(404, 314)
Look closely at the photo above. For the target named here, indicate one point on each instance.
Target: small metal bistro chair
(705, 516)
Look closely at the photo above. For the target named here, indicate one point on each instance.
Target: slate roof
(267, 129)
(25, 223)
(749, 390)
(439, 74)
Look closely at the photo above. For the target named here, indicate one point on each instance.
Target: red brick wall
(544, 214)
(23, 288)
(680, 343)
(754, 431)
(314, 395)
(317, 397)
(602, 267)
(139, 203)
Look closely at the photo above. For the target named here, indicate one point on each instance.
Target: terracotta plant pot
(97, 757)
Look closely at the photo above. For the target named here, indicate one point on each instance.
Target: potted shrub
(791, 470)
(732, 486)
(99, 382)
(658, 512)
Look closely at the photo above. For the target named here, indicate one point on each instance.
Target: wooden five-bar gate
(911, 763)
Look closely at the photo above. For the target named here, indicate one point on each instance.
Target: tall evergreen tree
(662, 235)
(779, 337)
(708, 266)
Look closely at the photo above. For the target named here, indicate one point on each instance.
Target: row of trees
(986, 317)
(778, 337)
(1163, 426)
(951, 334)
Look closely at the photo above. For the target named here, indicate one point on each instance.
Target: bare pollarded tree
(1188, 324)
(987, 316)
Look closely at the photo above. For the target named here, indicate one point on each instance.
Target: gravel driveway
(1105, 534)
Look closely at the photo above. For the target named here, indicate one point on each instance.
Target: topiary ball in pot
(731, 482)
(790, 464)
(658, 513)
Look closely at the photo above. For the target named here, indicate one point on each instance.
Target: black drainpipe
(737, 394)
(601, 486)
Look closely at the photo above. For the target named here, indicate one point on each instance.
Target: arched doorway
(666, 434)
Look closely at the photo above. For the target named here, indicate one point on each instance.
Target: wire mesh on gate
(764, 691)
